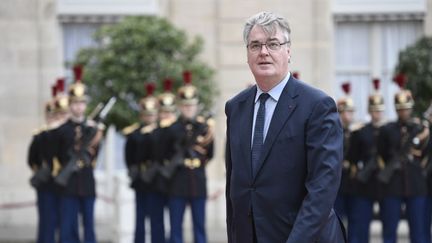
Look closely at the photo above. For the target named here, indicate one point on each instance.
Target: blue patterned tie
(258, 138)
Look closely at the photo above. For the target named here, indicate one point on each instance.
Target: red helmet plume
(376, 84)
(53, 90)
(187, 77)
(346, 87)
(78, 72)
(150, 88)
(60, 85)
(167, 83)
(400, 79)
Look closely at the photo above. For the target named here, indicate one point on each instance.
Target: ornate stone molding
(378, 17)
(80, 18)
(107, 6)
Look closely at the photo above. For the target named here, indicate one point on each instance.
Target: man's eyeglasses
(271, 46)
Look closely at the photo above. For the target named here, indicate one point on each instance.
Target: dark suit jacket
(291, 196)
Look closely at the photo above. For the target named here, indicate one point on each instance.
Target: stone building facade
(32, 56)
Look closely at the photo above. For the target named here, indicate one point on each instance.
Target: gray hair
(268, 21)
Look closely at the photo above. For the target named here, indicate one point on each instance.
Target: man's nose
(264, 50)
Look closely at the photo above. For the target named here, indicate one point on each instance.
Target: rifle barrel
(107, 107)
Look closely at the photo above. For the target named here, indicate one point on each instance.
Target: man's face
(77, 108)
(149, 118)
(265, 64)
(166, 115)
(346, 117)
(50, 118)
(376, 116)
(62, 116)
(404, 114)
(188, 111)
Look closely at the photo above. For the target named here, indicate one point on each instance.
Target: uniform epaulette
(148, 128)
(356, 126)
(211, 122)
(425, 123)
(130, 129)
(55, 125)
(36, 131)
(382, 123)
(166, 122)
(52, 127)
(39, 130)
(93, 123)
(200, 119)
(416, 120)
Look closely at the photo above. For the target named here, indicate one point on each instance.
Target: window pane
(77, 36)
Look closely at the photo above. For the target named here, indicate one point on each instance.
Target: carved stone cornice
(378, 17)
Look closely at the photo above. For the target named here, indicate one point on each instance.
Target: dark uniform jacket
(395, 141)
(428, 157)
(346, 182)
(70, 138)
(139, 155)
(364, 150)
(40, 156)
(163, 151)
(190, 178)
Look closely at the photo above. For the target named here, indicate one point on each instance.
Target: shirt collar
(276, 91)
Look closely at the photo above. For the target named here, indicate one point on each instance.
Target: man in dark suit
(284, 148)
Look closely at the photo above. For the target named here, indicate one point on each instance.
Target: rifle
(133, 172)
(149, 173)
(428, 113)
(146, 175)
(187, 147)
(402, 155)
(428, 168)
(77, 159)
(394, 165)
(367, 171)
(175, 162)
(41, 176)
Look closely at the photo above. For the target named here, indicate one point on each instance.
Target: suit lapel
(284, 108)
(245, 127)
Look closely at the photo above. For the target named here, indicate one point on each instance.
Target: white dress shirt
(270, 104)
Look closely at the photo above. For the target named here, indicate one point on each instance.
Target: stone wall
(428, 19)
(220, 23)
(30, 60)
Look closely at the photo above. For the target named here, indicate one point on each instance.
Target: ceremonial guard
(345, 107)
(139, 159)
(401, 145)
(78, 142)
(162, 153)
(40, 160)
(365, 165)
(192, 139)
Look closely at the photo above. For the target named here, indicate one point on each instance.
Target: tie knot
(263, 97)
